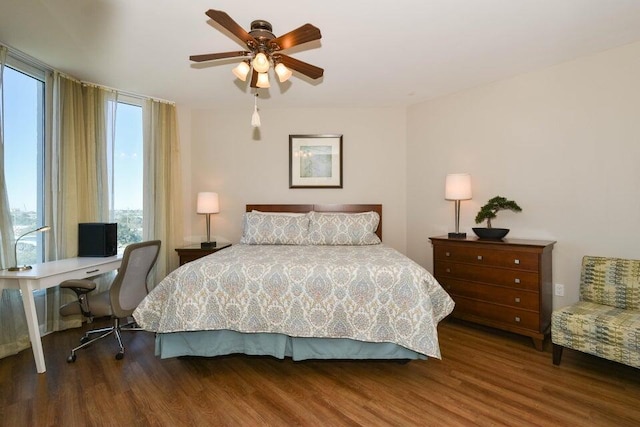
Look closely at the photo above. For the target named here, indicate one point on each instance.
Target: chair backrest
(611, 281)
(130, 284)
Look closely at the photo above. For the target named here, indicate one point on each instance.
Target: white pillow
(274, 229)
(343, 228)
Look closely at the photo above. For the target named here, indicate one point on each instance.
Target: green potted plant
(488, 212)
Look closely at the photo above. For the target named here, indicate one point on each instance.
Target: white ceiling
(374, 53)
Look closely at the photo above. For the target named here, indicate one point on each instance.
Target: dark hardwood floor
(486, 377)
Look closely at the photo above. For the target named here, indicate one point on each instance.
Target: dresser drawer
(489, 257)
(478, 273)
(516, 298)
(507, 315)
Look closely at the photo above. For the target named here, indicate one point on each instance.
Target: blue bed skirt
(219, 343)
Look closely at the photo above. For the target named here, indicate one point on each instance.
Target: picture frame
(315, 161)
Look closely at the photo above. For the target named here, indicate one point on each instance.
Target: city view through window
(24, 165)
(127, 173)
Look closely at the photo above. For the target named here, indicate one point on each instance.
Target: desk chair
(127, 291)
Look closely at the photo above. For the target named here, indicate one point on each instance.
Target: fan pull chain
(255, 118)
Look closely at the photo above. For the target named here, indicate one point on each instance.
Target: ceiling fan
(265, 50)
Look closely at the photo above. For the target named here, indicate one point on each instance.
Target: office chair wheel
(120, 355)
(71, 358)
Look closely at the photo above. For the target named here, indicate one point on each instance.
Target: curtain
(77, 172)
(14, 335)
(99, 114)
(162, 204)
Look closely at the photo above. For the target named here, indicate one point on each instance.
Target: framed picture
(315, 161)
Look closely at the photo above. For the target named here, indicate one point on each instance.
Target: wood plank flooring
(486, 378)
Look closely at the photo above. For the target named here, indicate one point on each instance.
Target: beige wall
(563, 142)
(224, 155)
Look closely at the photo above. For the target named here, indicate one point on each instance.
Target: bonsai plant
(489, 211)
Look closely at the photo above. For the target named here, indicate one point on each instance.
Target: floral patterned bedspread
(368, 293)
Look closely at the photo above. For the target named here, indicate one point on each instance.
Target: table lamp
(208, 204)
(457, 187)
(15, 248)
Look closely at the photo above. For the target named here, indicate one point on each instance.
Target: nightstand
(193, 252)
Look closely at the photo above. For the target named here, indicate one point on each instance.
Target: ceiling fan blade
(212, 56)
(232, 26)
(304, 34)
(302, 67)
(254, 79)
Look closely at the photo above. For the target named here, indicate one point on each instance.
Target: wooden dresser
(505, 284)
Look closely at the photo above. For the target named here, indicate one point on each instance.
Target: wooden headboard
(321, 208)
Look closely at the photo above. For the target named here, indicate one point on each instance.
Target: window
(23, 91)
(126, 172)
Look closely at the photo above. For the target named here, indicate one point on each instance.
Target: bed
(305, 282)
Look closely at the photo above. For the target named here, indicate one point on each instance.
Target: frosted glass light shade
(261, 63)
(207, 203)
(263, 80)
(457, 186)
(283, 72)
(241, 71)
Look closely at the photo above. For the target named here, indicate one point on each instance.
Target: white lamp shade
(241, 71)
(283, 72)
(263, 80)
(261, 63)
(457, 186)
(207, 203)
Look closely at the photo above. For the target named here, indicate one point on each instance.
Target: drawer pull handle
(448, 270)
(517, 261)
(479, 257)
(517, 300)
(517, 280)
(92, 271)
(447, 254)
(517, 319)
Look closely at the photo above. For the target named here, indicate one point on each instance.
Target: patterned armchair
(606, 320)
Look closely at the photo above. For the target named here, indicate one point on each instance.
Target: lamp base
(207, 245)
(457, 235)
(21, 268)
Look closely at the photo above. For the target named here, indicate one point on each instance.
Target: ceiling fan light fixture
(283, 72)
(242, 70)
(261, 63)
(263, 81)
(263, 50)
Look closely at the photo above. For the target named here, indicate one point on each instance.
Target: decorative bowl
(491, 233)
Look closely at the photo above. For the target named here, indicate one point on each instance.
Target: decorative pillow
(273, 229)
(280, 213)
(343, 228)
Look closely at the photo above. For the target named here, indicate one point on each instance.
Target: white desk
(47, 275)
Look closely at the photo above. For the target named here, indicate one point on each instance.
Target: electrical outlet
(559, 291)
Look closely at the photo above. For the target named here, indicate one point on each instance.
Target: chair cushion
(99, 304)
(611, 281)
(601, 330)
